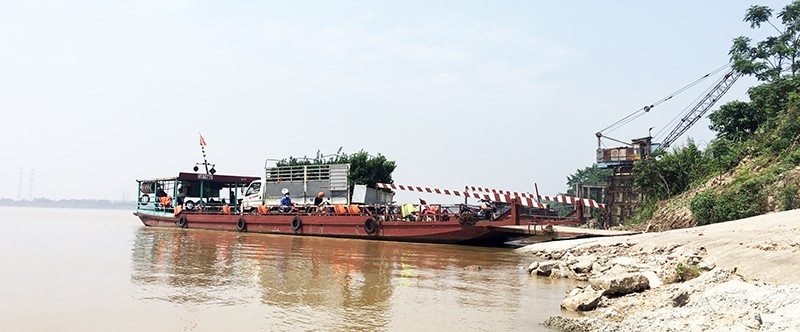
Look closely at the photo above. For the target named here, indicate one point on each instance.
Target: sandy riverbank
(749, 277)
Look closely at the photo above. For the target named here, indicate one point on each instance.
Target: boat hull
(446, 232)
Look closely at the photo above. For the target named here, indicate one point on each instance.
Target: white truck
(305, 182)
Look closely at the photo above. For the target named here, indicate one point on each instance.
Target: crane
(701, 108)
(641, 148)
(620, 196)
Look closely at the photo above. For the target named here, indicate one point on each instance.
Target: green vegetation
(364, 168)
(686, 272)
(775, 56)
(645, 212)
(789, 197)
(756, 153)
(757, 140)
(669, 174)
(590, 175)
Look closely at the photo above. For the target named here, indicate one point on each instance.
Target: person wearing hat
(286, 201)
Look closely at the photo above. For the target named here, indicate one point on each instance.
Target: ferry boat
(252, 204)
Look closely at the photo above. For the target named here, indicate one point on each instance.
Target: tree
(588, 175)
(736, 120)
(671, 173)
(768, 59)
(369, 170)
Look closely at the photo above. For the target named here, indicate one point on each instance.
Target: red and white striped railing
(496, 197)
(559, 198)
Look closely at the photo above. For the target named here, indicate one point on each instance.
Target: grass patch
(686, 272)
(642, 214)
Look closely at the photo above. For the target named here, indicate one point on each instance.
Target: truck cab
(253, 195)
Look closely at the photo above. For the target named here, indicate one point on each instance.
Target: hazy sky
(505, 94)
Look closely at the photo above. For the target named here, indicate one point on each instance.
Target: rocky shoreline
(741, 275)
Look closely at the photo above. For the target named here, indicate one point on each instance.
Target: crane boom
(701, 108)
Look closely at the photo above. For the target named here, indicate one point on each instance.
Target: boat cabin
(192, 191)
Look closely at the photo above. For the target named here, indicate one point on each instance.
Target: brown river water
(101, 270)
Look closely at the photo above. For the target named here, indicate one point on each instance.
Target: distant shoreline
(70, 203)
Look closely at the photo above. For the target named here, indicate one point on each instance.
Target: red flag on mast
(202, 140)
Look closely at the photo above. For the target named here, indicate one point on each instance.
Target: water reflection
(331, 284)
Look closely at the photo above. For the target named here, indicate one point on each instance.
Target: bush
(725, 154)
(788, 197)
(780, 144)
(742, 202)
(670, 173)
(793, 158)
(686, 272)
(702, 206)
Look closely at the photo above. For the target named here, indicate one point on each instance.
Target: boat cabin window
(254, 189)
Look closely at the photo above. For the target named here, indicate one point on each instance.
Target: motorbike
(388, 211)
(470, 215)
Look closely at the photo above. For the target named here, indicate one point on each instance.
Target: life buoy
(144, 199)
(182, 222)
(241, 225)
(297, 224)
(189, 205)
(370, 226)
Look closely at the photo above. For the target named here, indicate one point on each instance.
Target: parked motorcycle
(470, 215)
(388, 211)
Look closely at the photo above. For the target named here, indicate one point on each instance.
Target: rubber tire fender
(297, 224)
(370, 226)
(182, 222)
(241, 225)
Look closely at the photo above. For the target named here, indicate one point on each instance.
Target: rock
(545, 268)
(617, 270)
(621, 284)
(582, 266)
(571, 324)
(533, 267)
(575, 291)
(582, 277)
(565, 271)
(624, 261)
(653, 279)
(585, 300)
(561, 270)
(599, 268)
(706, 266)
(680, 299)
(555, 254)
(670, 248)
(754, 322)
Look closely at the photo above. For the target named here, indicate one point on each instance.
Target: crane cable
(682, 115)
(645, 109)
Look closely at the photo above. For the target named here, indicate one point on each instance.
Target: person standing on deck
(182, 190)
